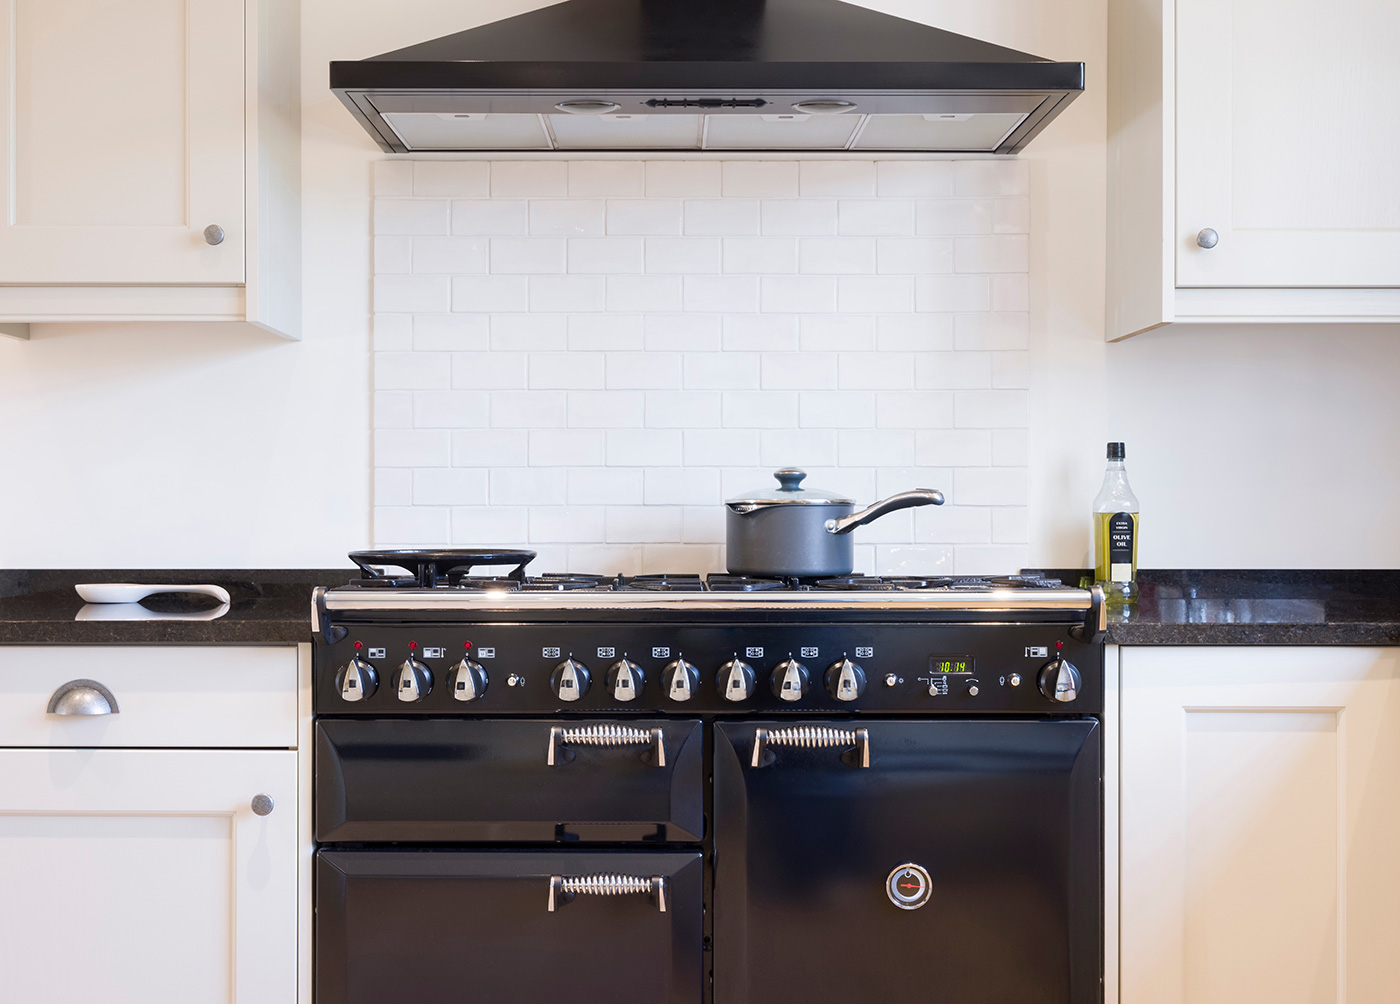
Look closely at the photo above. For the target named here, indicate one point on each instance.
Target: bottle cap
(1115, 451)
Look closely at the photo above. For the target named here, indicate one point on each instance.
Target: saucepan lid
(788, 492)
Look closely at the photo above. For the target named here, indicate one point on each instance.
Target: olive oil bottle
(1116, 532)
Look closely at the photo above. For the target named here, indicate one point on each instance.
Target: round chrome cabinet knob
(625, 680)
(467, 681)
(213, 234)
(1059, 680)
(680, 680)
(413, 681)
(570, 680)
(357, 680)
(790, 680)
(262, 805)
(1207, 239)
(736, 680)
(844, 680)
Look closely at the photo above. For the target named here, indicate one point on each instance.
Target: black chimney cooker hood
(731, 75)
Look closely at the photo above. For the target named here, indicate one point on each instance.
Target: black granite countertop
(266, 606)
(1176, 607)
(1258, 607)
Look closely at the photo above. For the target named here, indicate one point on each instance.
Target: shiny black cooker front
(937, 836)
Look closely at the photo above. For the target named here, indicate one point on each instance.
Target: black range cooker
(666, 789)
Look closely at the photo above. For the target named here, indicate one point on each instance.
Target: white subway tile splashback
(586, 357)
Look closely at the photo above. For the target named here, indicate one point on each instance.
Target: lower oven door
(509, 927)
(908, 861)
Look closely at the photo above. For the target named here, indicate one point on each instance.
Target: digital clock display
(948, 664)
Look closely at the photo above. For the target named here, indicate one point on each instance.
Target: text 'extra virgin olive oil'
(1116, 532)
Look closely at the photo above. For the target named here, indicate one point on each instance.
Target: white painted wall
(165, 445)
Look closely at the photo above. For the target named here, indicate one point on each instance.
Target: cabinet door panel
(123, 129)
(1288, 143)
(144, 877)
(1259, 820)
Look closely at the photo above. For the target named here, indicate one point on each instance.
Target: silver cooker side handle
(562, 889)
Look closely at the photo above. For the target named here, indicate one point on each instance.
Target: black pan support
(431, 568)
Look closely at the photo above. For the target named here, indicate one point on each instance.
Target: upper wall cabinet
(1253, 147)
(151, 161)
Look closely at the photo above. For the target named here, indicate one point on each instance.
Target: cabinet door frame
(1206, 60)
(218, 783)
(215, 112)
(1358, 689)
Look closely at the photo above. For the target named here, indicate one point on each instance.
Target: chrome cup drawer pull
(603, 735)
(812, 737)
(563, 889)
(83, 697)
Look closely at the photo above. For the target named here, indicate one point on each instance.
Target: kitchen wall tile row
(587, 357)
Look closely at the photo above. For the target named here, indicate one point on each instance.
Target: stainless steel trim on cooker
(1009, 600)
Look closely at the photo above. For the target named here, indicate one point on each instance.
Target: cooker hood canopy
(731, 75)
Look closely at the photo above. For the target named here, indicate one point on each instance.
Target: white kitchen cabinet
(151, 160)
(1260, 812)
(1272, 124)
(145, 877)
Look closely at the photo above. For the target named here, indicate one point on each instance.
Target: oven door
(441, 926)
(963, 863)
(509, 780)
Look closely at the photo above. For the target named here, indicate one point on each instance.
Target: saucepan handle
(904, 500)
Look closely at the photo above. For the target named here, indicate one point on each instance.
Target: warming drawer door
(491, 927)
(962, 864)
(509, 780)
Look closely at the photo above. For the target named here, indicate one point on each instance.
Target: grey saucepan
(804, 532)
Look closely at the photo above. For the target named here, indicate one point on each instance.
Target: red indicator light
(412, 645)
(466, 644)
(1059, 645)
(359, 645)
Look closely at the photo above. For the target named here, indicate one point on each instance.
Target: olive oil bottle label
(1122, 529)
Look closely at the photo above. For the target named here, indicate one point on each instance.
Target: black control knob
(357, 680)
(413, 681)
(736, 680)
(845, 680)
(570, 679)
(680, 680)
(1059, 680)
(790, 680)
(467, 680)
(625, 680)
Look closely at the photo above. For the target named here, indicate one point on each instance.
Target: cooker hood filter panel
(780, 75)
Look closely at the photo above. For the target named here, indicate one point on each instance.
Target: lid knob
(790, 478)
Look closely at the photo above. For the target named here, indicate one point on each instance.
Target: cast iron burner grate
(744, 584)
(663, 583)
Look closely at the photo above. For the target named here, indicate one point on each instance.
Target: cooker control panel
(444, 669)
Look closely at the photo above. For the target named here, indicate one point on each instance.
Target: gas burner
(854, 583)
(663, 583)
(742, 584)
(384, 582)
(1028, 580)
(560, 582)
(481, 583)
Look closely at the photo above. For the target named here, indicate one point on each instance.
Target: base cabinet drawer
(159, 695)
(148, 876)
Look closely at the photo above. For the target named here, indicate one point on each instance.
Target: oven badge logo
(909, 886)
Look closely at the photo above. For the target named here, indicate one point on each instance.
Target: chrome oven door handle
(563, 889)
(603, 735)
(812, 736)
